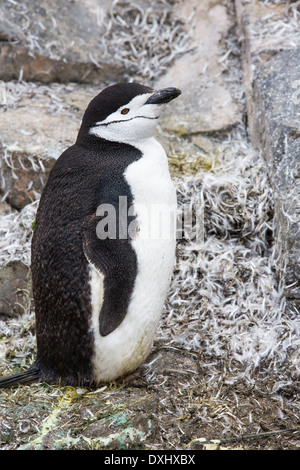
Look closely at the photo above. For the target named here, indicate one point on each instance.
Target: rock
(206, 104)
(50, 41)
(35, 130)
(15, 293)
(4, 208)
(24, 174)
(87, 41)
(272, 70)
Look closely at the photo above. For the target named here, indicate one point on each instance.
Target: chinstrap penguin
(98, 298)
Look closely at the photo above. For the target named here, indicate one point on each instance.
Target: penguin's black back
(86, 175)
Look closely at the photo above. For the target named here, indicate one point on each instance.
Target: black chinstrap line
(125, 120)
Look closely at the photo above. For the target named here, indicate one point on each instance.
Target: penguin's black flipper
(115, 260)
(27, 377)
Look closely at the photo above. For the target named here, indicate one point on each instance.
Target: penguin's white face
(134, 121)
(126, 113)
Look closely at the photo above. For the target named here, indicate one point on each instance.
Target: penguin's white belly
(154, 197)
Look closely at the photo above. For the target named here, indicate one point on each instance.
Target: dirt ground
(173, 408)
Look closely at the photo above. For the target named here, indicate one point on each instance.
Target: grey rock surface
(207, 105)
(15, 292)
(272, 71)
(87, 41)
(54, 41)
(36, 126)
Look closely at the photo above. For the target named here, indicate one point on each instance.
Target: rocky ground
(224, 370)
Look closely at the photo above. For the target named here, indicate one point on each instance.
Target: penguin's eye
(125, 111)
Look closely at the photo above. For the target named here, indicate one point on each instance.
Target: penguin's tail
(27, 377)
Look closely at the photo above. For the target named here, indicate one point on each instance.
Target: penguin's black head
(125, 112)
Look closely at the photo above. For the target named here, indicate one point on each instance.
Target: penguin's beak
(163, 96)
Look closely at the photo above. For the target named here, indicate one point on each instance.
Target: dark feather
(27, 377)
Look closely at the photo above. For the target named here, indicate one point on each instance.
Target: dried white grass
(49, 95)
(145, 40)
(18, 343)
(225, 299)
(277, 32)
(15, 235)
